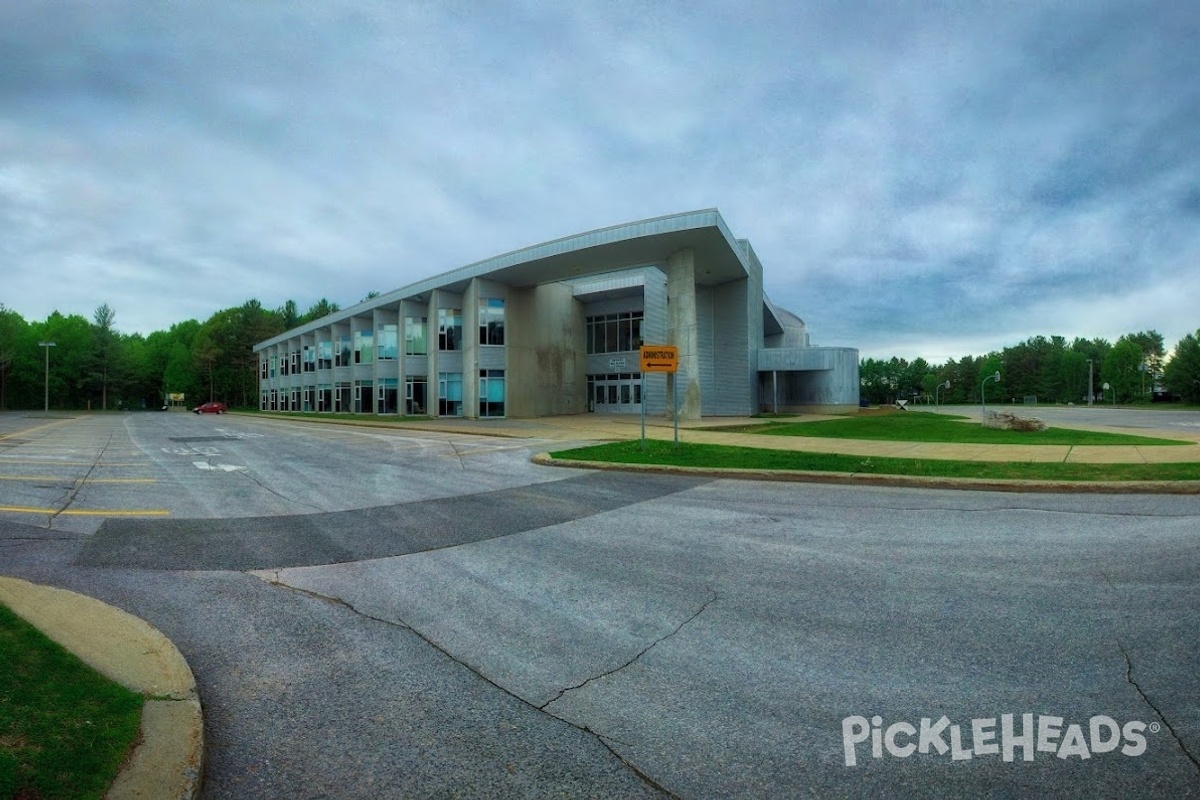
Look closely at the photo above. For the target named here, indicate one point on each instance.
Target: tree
(1182, 372)
(289, 315)
(321, 308)
(104, 351)
(12, 329)
(1121, 369)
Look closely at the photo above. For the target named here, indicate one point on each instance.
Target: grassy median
(725, 457)
(907, 426)
(64, 728)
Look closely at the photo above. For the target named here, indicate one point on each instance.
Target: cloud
(911, 176)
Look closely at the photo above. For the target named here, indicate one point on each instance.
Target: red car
(211, 408)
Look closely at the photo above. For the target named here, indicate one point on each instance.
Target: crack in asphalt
(277, 580)
(1166, 722)
(79, 483)
(1129, 679)
(642, 652)
(252, 477)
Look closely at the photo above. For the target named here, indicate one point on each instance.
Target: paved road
(1177, 420)
(492, 629)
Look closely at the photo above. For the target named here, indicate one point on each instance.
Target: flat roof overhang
(718, 259)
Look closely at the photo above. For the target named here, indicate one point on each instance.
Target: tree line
(1135, 368)
(94, 365)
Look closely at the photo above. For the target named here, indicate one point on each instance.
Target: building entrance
(616, 393)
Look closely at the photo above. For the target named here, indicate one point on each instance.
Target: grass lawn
(721, 456)
(908, 426)
(64, 728)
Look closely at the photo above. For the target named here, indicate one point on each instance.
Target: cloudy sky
(929, 179)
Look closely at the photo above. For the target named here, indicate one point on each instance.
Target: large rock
(1008, 421)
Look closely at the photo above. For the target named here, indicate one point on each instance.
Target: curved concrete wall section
(695, 286)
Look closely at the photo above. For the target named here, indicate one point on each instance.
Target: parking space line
(97, 512)
(50, 463)
(35, 428)
(69, 478)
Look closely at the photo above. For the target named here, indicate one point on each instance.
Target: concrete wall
(809, 378)
(545, 333)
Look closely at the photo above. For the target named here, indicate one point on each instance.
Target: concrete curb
(871, 479)
(169, 760)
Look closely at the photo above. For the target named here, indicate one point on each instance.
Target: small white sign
(616, 363)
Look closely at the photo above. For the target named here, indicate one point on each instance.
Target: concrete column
(432, 385)
(683, 333)
(470, 338)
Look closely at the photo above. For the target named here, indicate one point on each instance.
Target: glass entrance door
(616, 393)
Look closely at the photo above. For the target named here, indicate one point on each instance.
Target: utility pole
(47, 345)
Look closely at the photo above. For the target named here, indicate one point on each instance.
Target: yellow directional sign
(659, 358)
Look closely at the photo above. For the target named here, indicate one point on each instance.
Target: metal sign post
(643, 412)
(660, 358)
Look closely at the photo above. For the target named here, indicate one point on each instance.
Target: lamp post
(47, 345)
(982, 386)
(1091, 367)
(936, 404)
(1142, 369)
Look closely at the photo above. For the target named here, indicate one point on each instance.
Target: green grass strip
(725, 457)
(911, 426)
(64, 728)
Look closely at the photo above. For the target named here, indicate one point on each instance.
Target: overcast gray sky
(930, 179)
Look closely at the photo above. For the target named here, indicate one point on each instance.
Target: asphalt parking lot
(391, 613)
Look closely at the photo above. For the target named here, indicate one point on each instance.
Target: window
(386, 342)
(449, 329)
(491, 393)
(324, 355)
(283, 364)
(614, 333)
(450, 394)
(415, 342)
(274, 362)
(325, 397)
(295, 362)
(364, 397)
(387, 396)
(342, 397)
(364, 349)
(310, 359)
(262, 400)
(308, 399)
(415, 387)
(341, 351)
(262, 368)
(491, 320)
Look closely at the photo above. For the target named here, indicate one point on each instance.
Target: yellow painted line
(47, 463)
(24, 431)
(69, 478)
(99, 512)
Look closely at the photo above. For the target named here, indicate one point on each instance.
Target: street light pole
(47, 345)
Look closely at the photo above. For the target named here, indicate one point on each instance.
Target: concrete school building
(556, 329)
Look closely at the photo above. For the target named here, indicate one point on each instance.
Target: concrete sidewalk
(168, 761)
